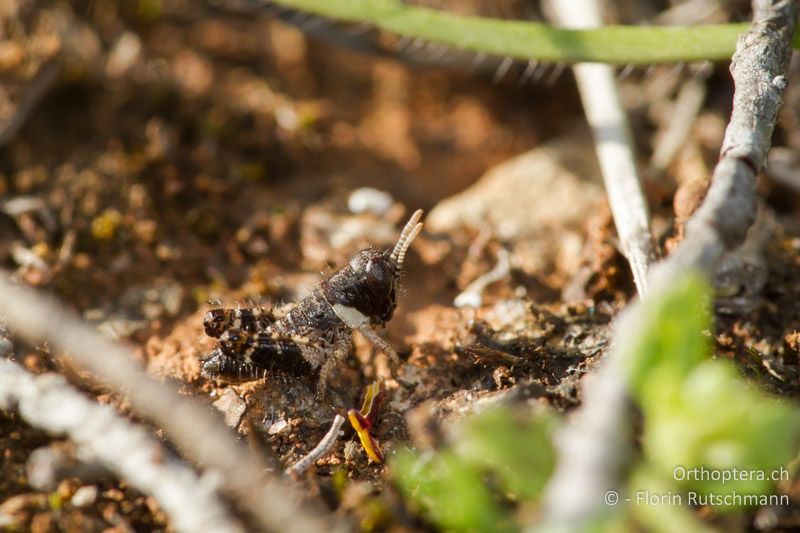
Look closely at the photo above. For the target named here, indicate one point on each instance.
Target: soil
(186, 155)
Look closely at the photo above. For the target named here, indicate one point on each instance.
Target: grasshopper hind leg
(229, 369)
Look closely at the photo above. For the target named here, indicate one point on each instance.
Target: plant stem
(613, 143)
(527, 40)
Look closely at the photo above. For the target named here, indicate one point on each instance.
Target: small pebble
(84, 496)
(232, 406)
(367, 199)
(277, 427)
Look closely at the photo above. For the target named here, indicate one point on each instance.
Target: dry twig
(472, 296)
(190, 425)
(594, 445)
(613, 144)
(50, 403)
(759, 72)
(688, 104)
(320, 449)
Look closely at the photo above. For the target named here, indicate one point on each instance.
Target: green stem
(621, 45)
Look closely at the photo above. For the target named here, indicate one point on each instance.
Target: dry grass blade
(614, 145)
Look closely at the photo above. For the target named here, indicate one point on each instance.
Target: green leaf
(720, 423)
(701, 415)
(450, 492)
(495, 459)
(659, 505)
(672, 343)
(514, 446)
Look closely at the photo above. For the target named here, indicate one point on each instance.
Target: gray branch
(595, 445)
(190, 425)
(320, 450)
(759, 73)
(50, 403)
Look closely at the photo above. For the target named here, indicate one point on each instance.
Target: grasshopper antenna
(410, 231)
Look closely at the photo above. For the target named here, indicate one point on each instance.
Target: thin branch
(613, 143)
(47, 466)
(190, 425)
(472, 296)
(50, 403)
(320, 450)
(598, 430)
(759, 73)
(686, 107)
(594, 445)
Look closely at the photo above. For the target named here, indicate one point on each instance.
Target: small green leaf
(450, 492)
(719, 422)
(514, 446)
(672, 343)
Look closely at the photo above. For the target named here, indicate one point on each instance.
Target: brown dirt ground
(213, 163)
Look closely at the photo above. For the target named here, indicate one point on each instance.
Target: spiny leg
(269, 350)
(381, 344)
(229, 369)
(340, 349)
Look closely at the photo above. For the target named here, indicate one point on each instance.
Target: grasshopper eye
(375, 271)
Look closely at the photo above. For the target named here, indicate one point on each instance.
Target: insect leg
(341, 347)
(268, 350)
(227, 368)
(379, 343)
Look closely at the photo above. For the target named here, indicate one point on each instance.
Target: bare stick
(686, 107)
(594, 445)
(320, 450)
(190, 425)
(50, 403)
(47, 466)
(472, 296)
(759, 72)
(613, 144)
(600, 429)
